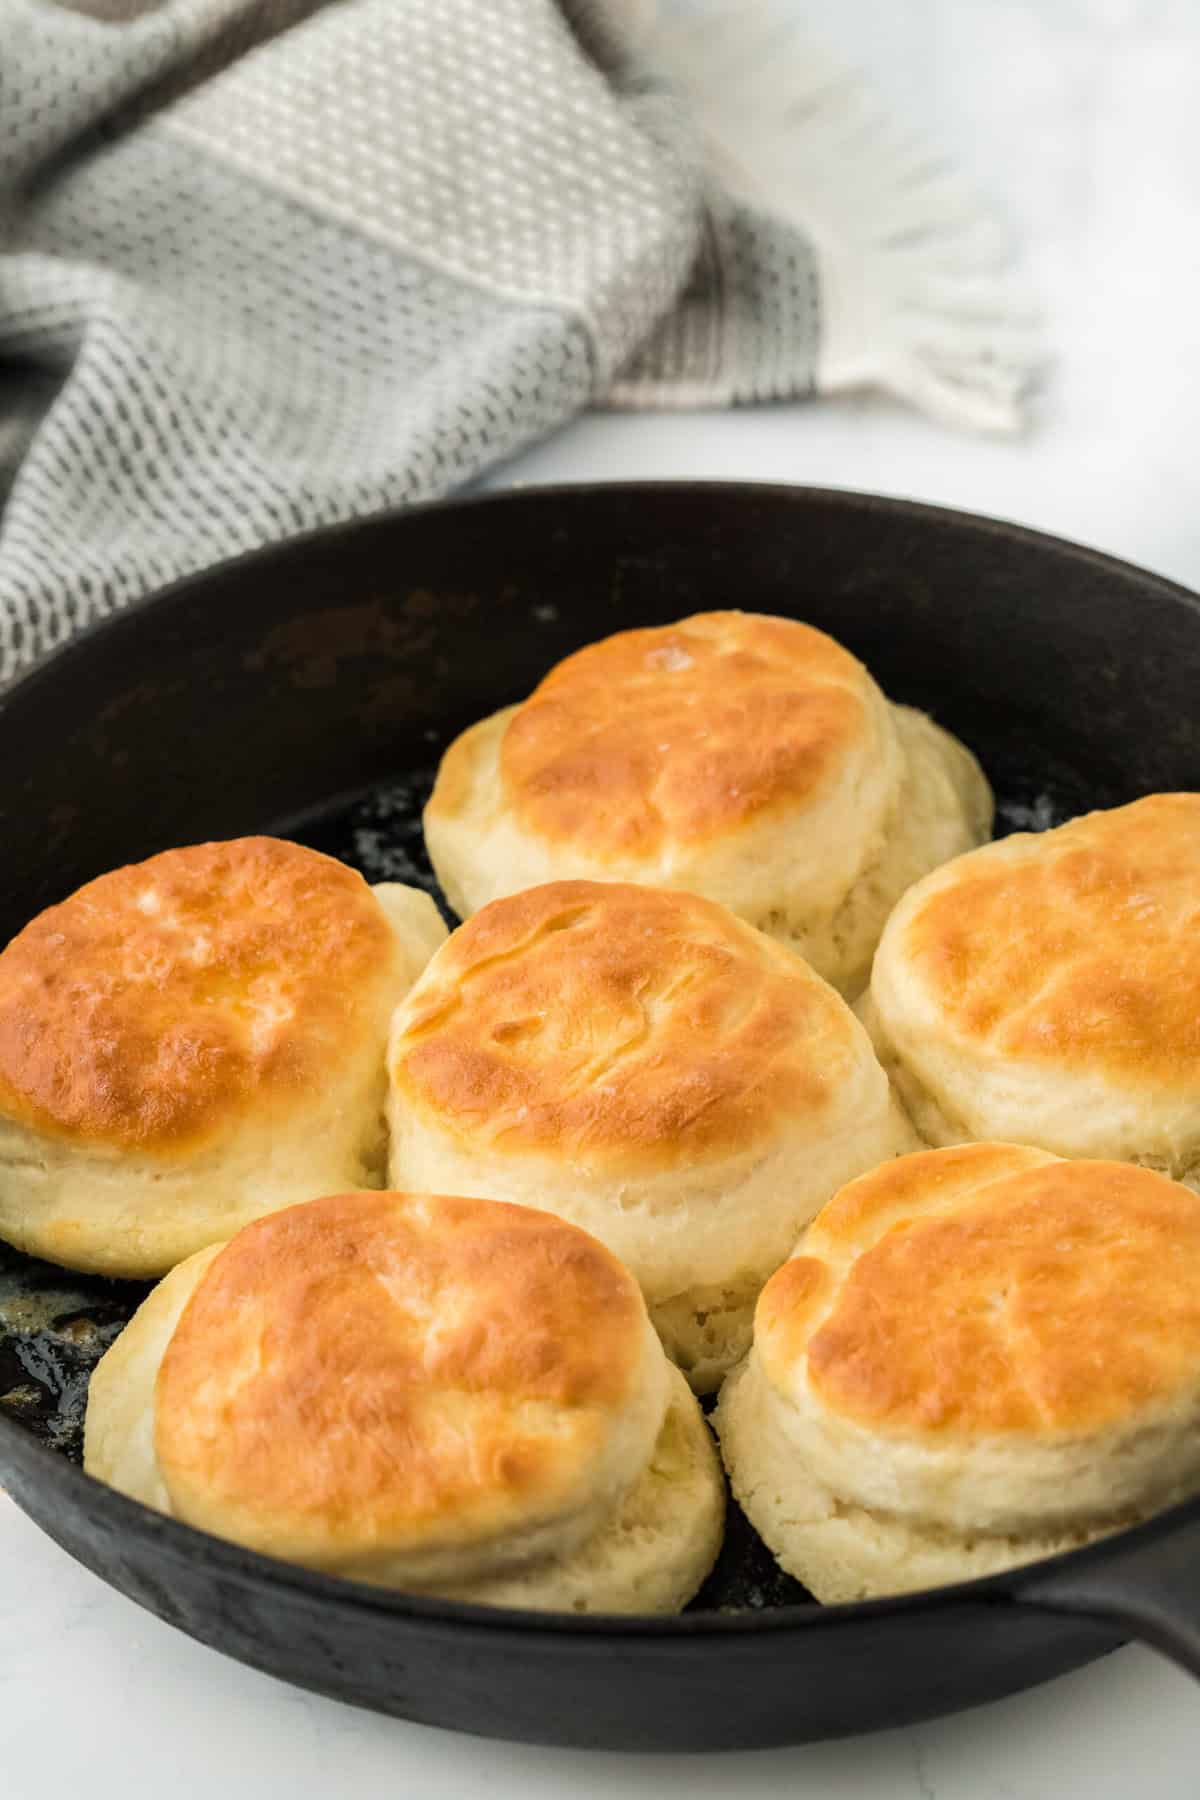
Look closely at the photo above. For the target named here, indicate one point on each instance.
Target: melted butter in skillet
(54, 1328)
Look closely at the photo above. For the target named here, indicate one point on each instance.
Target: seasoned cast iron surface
(55, 1326)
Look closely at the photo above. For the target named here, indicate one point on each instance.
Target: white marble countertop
(1083, 118)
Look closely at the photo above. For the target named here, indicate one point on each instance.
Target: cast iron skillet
(308, 690)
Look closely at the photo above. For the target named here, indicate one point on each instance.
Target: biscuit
(651, 1068)
(1043, 989)
(192, 1041)
(978, 1356)
(745, 758)
(443, 1395)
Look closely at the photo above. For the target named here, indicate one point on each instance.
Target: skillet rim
(178, 1541)
(26, 681)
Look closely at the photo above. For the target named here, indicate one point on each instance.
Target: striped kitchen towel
(268, 264)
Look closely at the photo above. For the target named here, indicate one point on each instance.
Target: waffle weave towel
(267, 264)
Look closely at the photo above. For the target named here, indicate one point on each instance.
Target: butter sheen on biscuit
(734, 755)
(191, 1041)
(653, 1069)
(1043, 989)
(979, 1356)
(443, 1395)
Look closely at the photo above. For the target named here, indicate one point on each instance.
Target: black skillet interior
(309, 691)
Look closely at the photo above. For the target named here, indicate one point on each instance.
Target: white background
(1082, 119)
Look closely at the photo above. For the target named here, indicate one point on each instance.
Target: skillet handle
(1149, 1589)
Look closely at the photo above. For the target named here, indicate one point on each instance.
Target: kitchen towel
(269, 264)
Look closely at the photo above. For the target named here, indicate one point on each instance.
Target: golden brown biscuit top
(598, 1018)
(992, 1289)
(158, 1001)
(1080, 947)
(683, 732)
(383, 1371)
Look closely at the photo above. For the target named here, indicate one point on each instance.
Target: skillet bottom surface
(55, 1325)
